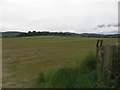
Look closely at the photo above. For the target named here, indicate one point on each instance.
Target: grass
(26, 57)
(0, 62)
(82, 76)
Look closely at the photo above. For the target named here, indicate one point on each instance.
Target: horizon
(63, 32)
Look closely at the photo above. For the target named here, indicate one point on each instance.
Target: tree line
(46, 33)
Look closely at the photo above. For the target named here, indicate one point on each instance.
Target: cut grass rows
(26, 57)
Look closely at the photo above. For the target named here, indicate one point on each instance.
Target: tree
(29, 31)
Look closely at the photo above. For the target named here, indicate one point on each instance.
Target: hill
(10, 34)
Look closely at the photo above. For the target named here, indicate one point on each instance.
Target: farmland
(25, 57)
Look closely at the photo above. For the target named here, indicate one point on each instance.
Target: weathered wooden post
(108, 60)
(99, 55)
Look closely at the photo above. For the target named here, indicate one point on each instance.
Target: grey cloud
(101, 26)
(94, 28)
(113, 25)
(109, 25)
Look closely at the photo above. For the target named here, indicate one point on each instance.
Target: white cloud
(58, 15)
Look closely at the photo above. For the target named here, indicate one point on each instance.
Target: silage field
(24, 58)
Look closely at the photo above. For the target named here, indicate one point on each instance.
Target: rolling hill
(10, 34)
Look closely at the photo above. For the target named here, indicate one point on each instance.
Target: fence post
(108, 60)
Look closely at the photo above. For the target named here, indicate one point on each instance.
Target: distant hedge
(47, 33)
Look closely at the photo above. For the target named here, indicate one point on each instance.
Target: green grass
(82, 76)
(24, 58)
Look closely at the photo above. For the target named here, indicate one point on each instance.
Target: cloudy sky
(79, 16)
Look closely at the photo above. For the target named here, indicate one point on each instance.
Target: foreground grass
(27, 57)
(82, 76)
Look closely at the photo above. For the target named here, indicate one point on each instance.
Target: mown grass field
(24, 58)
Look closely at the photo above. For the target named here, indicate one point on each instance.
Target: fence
(108, 59)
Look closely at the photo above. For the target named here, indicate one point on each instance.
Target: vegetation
(47, 33)
(82, 76)
(10, 34)
(46, 56)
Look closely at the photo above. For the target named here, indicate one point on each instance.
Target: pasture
(25, 57)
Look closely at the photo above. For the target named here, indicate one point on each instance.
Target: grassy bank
(81, 76)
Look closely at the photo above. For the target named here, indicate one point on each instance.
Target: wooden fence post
(108, 60)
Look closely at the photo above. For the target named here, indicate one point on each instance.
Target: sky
(79, 16)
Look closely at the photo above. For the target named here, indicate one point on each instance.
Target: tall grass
(82, 76)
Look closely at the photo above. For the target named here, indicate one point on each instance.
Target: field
(24, 58)
(0, 62)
